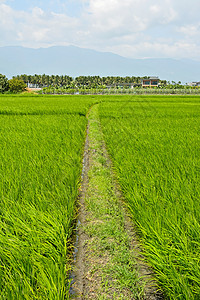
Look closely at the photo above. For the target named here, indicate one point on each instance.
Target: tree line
(67, 84)
(78, 82)
(90, 82)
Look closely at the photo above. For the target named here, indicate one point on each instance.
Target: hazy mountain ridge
(75, 61)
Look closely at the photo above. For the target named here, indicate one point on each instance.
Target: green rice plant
(154, 144)
(45, 104)
(41, 149)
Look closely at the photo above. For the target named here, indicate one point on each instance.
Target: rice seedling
(41, 149)
(154, 144)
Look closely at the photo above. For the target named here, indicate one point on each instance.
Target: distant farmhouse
(195, 83)
(150, 82)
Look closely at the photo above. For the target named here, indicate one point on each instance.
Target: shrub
(16, 85)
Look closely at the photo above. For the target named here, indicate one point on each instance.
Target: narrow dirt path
(108, 261)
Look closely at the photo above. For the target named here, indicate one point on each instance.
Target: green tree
(3, 84)
(16, 85)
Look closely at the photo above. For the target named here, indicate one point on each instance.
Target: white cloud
(6, 16)
(134, 28)
(149, 49)
(190, 30)
(37, 12)
(129, 15)
(35, 28)
(47, 28)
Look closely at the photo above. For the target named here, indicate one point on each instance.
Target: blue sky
(71, 7)
(131, 28)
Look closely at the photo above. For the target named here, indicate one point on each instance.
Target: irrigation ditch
(107, 258)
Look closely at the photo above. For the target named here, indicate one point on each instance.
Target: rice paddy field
(41, 148)
(154, 145)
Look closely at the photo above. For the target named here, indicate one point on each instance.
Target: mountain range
(75, 61)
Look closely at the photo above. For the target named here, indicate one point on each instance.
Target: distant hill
(75, 61)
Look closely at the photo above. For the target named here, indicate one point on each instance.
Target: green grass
(112, 264)
(154, 143)
(40, 165)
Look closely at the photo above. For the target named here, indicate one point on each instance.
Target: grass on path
(111, 268)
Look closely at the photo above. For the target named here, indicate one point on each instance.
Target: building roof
(151, 78)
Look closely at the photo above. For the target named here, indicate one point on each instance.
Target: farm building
(195, 83)
(150, 82)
